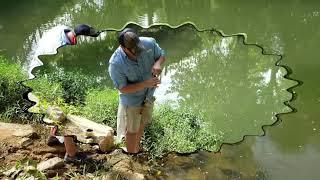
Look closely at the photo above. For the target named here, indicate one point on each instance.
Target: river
(234, 86)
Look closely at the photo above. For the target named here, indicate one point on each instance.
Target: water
(290, 149)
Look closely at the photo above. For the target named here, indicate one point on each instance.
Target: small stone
(9, 172)
(95, 147)
(16, 173)
(47, 156)
(107, 144)
(89, 141)
(48, 121)
(89, 175)
(25, 142)
(29, 168)
(47, 149)
(52, 163)
(137, 176)
(30, 178)
(104, 176)
(56, 114)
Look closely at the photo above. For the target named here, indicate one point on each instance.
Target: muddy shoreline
(112, 164)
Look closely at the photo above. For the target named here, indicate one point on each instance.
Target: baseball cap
(130, 39)
(86, 30)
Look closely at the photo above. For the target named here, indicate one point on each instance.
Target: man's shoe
(77, 159)
(53, 141)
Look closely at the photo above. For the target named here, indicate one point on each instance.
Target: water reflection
(234, 86)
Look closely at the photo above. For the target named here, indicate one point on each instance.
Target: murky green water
(290, 149)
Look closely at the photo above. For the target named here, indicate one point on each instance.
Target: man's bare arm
(152, 82)
(156, 69)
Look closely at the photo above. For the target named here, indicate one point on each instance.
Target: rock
(136, 176)
(48, 149)
(123, 166)
(48, 121)
(52, 163)
(9, 172)
(30, 178)
(87, 124)
(56, 114)
(25, 142)
(12, 173)
(88, 140)
(8, 130)
(107, 144)
(87, 131)
(16, 173)
(105, 176)
(95, 147)
(47, 156)
(29, 168)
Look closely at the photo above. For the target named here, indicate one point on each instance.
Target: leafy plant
(101, 106)
(74, 85)
(12, 105)
(26, 169)
(178, 130)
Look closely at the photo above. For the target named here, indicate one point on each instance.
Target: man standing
(134, 68)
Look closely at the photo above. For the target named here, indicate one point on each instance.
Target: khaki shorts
(133, 117)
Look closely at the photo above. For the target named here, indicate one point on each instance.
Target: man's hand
(152, 82)
(156, 69)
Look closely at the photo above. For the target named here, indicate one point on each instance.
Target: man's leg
(132, 142)
(143, 117)
(70, 146)
(121, 123)
(146, 116)
(133, 117)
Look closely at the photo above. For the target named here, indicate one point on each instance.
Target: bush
(101, 106)
(180, 131)
(74, 85)
(67, 90)
(48, 93)
(76, 93)
(12, 105)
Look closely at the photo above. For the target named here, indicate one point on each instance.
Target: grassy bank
(171, 129)
(12, 105)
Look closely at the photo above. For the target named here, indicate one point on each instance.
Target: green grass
(12, 104)
(101, 106)
(177, 130)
